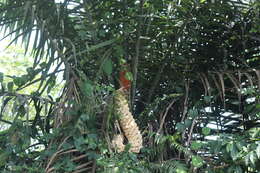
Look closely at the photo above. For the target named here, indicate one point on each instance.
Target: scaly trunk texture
(127, 124)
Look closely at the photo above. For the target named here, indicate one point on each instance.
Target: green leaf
(92, 141)
(188, 123)
(3, 158)
(51, 84)
(229, 147)
(79, 142)
(207, 99)
(193, 113)
(21, 111)
(88, 89)
(10, 86)
(43, 65)
(119, 51)
(180, 170)
(247, 159)
(197, 161)
(253, 157)
(195, 145)
(240, 145)
(92, 155)
(258, 151)
(206, 131)
(231, 169)
(234, 152)
(108, 66)
(202, 1)
(238, 169)
(129, 76)
(19, 81)
(257, 106)
(180, 127)
(1, 77)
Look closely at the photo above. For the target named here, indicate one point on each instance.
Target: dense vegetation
(195, 84)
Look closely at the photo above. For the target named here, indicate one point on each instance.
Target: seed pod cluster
(127, 123)
(118, 143)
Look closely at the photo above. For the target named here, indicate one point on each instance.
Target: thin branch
(94, 167)
(82, 170)
(83, 165)
(136, 58)
(79, 157)
(164, 116)
(191, 130)
(5, 121)
(10, 94)
(186, 99)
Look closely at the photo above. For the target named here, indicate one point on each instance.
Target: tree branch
(136, 58)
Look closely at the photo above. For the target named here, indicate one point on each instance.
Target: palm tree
(190, 63)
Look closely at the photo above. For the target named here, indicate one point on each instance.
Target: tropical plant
(194, 95)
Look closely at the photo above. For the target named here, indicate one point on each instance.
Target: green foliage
(194, 67)
(108, 67)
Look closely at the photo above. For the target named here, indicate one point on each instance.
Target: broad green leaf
(179, 170)
(92, 141)
(195, 145)
(88, 89)
(79, 142)
(19, 81)
(206, 131)
(193, 113)
(234, 152)
(197, 161)
(251, 158)
(202, 1)
(180, 127)
(240, 144)
(255, 132)
(188, 123)
(229, 146)
(119, 51)
(108, 66)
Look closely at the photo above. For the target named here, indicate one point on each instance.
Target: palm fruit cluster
(127, 124)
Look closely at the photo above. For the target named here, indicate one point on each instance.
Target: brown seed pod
(118, 143)
(127, 122)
